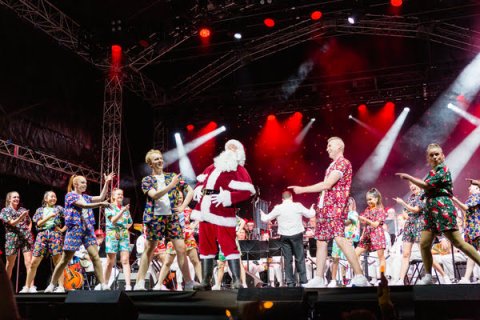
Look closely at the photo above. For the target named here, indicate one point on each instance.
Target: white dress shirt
(289, 217)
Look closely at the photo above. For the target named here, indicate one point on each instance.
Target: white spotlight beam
(469, 117)
(459, 157)
(372, 167)
(185, 165)
(304, 131)
(366, 126)
(171, 156)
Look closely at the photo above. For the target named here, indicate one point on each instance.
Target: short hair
(148, 156)
(286, 194)
(340, 141)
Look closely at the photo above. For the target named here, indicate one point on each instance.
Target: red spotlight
(269, 22)
(316, 15)
(396, 3)
(271, 117)
(204, 33)
(190, 127)
(362, 108)
(297, 115)
(390, 105)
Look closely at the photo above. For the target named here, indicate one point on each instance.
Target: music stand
(275, 249)
(253, 250)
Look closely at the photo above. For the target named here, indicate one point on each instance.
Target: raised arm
(416, 181)
(460, 204)
(156, 194)
(414, 209)
(103, 194)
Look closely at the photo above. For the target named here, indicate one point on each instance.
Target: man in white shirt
(290, 227)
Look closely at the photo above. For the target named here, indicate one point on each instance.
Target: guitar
(73, 278)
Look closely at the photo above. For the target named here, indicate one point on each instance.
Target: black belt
(207, 192)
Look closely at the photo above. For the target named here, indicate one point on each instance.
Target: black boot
(234, 266)
(207, 272)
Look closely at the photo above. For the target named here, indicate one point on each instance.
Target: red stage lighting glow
(316, 15)
(269, 22)
(204, 33)
(190, 127)
(396, 3)
(271, 117)
(362, 108)
(116, 60)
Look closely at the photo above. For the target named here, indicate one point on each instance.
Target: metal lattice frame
(65, 31)
(112, 128)
(45, 160)
(160, 134)
(446, 34)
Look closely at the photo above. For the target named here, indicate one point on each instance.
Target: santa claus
(220, 187)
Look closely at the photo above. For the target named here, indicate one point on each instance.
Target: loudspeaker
(99, 305)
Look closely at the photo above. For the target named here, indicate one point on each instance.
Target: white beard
(226, 161)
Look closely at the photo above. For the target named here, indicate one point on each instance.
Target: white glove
(197, 193)
(224, 198)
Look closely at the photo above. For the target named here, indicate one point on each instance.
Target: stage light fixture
(204, 33)
(269, 22)
(350, 117)
(312, 120)
(396, 3)
(407, 109)
(316, 15)
(237, 36)
(351, 19)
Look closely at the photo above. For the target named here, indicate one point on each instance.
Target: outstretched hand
(296, 189)
(473, 181)
(403, 176)
(109, 177)
(398, 200)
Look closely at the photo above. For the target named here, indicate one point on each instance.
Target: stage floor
(411, 302)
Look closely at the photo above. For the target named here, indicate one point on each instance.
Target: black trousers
(293, 245)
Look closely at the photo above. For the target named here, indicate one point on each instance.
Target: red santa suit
(221, 186)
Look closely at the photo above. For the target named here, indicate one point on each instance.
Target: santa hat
(240, 150)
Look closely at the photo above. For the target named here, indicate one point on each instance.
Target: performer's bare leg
(97, 263)
(322, 252)
(426, 241)
(10, 264)
(125, 260)
(197, 266)
(58, 272)
(179, 245)
(32, 271)
(347, 249)
(146, 258)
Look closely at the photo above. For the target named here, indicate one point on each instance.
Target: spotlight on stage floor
(371, 168)
(459, 157)
(171, 156)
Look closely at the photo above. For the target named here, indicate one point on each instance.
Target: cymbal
(138, 226)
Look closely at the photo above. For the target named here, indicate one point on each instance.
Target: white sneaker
(98, 287)
(332, 284)
(374, 281)
(158, 286)
(216, 287)
(316, 282)
(190, 284)
(25, 289)
(446, 280)
(59, 289)
(33, 289)
(462, 281)
(128, 288)
(427, 279)
(359, 281)
(50, 288)
(398, 282)
(179, 287)
(139, 286)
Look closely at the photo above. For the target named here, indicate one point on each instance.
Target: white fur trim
(233, 256)
(201, 177)
(197, 193)
(240, 185)
(208, 256)
(196, 215)
(216, 219)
